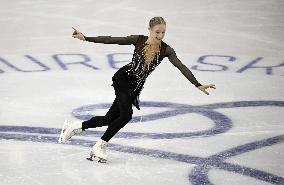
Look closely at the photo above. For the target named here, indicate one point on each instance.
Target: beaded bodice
(135, 71)
(136, 67)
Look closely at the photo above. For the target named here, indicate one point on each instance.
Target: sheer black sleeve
(170, 53)
(132, 39)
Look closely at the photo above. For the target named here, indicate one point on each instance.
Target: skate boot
(99, 151)
(69, 129)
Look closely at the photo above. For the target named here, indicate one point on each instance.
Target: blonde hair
(151, 50)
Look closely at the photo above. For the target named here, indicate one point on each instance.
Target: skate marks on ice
(199, 175)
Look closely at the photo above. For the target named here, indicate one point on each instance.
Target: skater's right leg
(99, 121)
(70, 128)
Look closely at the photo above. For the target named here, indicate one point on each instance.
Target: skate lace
(103, 146)
(78, 130)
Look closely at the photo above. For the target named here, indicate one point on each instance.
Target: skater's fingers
(74, 29)
(79, 36)
(76, 36)
(203, 89)
(205, 92)
(212, 86)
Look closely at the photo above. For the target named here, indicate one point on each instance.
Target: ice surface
(180, 136)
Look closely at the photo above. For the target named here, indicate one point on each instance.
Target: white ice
(237, 45)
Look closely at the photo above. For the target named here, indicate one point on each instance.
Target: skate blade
(62, 131)
(102, 160)
(90, 158)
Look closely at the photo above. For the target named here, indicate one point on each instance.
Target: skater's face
(157, 32)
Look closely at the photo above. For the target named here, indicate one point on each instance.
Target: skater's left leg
(125, 108)
(126, 111)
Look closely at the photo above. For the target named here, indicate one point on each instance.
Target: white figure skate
(69, 129)
(99, 151)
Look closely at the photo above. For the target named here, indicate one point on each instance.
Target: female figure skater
(128, 82)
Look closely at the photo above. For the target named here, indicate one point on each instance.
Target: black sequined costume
(134, 72)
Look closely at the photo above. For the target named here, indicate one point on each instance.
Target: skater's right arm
(132, 39)
(78, 35)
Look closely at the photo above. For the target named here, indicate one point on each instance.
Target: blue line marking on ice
(199, 174)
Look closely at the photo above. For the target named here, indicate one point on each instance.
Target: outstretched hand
(204, 87)
(77, 34)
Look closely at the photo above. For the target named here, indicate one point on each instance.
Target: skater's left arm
(170, 53)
